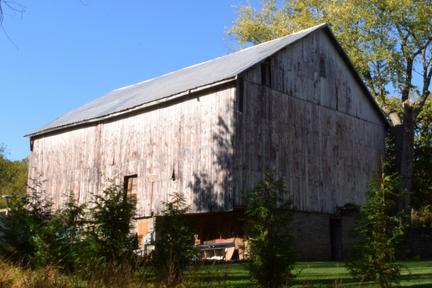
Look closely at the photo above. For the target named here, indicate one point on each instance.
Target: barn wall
(313, 125)
(183, 147)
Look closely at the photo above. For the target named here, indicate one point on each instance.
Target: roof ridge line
(219, 57)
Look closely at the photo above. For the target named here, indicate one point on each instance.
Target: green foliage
(422, 190)
(20, 230)
(59, 242)
(73, 238)
(380, 231)
(267, 219)
(422, 217)
(107, 239)
(382, 37)
(174, 244)
(13, 177)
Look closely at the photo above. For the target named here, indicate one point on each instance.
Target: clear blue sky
(66, 53)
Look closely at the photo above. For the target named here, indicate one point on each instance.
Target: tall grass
(18, 277)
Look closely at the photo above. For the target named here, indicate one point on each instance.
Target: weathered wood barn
(294, 105)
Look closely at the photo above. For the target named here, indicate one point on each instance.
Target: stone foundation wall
(316, 236)
(311, 236)
(314, 240)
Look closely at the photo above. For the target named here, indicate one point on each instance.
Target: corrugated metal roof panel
(173, 83)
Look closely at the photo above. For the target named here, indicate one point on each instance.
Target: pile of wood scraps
(222, 249)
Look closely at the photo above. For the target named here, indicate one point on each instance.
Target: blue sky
(62, 54)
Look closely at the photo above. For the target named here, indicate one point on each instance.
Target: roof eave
(221, 82)
(135, 108)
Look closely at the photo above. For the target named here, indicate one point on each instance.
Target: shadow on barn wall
(219, 220)
(216, 195)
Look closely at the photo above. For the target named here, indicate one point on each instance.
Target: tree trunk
(405, 155)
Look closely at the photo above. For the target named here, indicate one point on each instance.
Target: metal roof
(192, 77)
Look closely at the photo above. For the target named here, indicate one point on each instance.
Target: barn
(294, 105)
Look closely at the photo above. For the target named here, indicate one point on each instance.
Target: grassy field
(309, 274)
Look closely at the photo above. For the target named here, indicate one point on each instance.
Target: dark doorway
(336, 238)
(221, 225)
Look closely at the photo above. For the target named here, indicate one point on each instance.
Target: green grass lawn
(309, 274)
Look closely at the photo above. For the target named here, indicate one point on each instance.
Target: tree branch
(407, 81)
(10, 5)
(1, 12)
(368, 77)
(392, 115)
(427, 76)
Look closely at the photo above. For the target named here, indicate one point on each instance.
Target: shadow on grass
(416, 276)
(312, 274)
(326, 282)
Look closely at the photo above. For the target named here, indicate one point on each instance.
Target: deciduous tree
(13, 177)
(423, 159)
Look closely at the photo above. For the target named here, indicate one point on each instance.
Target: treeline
(13, 177)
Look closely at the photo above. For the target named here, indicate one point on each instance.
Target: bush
(59, 242)
(72, 238)
(21, 228)
(174, 244)
(267, 217)
(422, 217)
(380, 231)
(107, 241)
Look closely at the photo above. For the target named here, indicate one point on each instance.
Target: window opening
(131, 187)
(322, 66)
(266, 73)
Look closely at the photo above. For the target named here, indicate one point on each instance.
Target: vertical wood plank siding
(183, 139)
(314, 126)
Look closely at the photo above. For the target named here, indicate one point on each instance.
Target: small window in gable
(266, 73)
(131, 187)
(322, 66)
